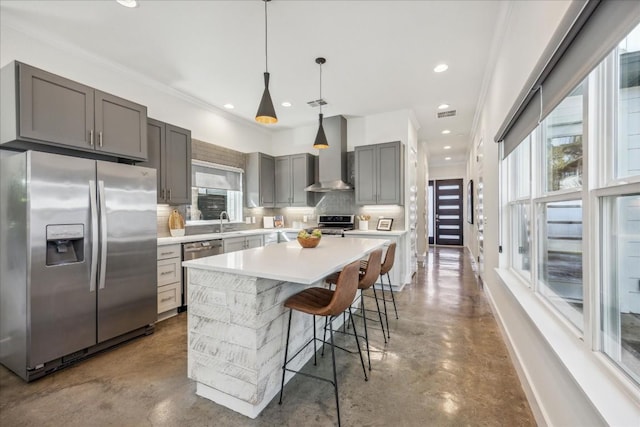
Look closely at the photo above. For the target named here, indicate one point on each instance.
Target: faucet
(223, 214)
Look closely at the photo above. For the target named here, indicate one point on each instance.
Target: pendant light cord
(320, 88)
(266, 57)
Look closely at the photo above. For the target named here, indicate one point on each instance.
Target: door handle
(94, 235)
(100, 138)
(169, 194)
(91, 137)
(103, 235)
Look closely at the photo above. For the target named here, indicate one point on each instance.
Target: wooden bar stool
(387, 265)
(324, 302)
(367, 278)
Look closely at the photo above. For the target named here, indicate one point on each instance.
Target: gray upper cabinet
(169, 149)
(41, 108)
(292, 175)
(260, 180)
(120, 126)
(379, 174)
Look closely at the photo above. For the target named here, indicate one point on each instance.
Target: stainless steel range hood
(332, 161)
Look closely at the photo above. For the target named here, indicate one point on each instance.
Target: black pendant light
(321, 138)
(266, 113)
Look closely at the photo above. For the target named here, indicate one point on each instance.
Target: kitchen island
(236, 316)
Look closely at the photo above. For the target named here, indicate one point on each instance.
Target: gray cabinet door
(302, 171)
(156, 158)
(253, 242)
(54, 110)
(267, 181)
(389, 173)
(120, 126)
(365, 168)
(283, 181)
(177, 169)
(233, 244)
(260, 181)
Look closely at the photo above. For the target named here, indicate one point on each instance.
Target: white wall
(455, 171)
(206, 123)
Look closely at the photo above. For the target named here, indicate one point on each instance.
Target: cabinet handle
(164, 273)
(163, 194)
(169, 194)
(166, 299)
(100, 138)
(165, 253)
(91, 137)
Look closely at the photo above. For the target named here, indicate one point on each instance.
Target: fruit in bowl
(309, 240)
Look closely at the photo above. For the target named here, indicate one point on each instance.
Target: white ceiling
(380, 54)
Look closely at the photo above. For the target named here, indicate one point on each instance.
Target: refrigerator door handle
(94, 235)
(103, 234)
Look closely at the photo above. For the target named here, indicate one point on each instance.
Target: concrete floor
(445, 365)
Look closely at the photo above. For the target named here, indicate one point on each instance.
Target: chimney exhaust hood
(332, 161)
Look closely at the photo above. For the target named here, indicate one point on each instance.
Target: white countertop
(290, 262)
(162, 241)
(377, 233)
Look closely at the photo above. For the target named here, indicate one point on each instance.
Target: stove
(335, 225)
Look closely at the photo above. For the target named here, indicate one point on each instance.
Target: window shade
(587, 34)
(215, 178)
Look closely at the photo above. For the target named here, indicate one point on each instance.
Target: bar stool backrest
(388, 259)
(372, 271)
(346, 289)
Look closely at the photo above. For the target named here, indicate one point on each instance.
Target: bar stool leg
(392, 297)
(324, 335)
(286, 353)
(358, 344)
(333, 359)
(315, 350)
(366, 334)
(384, 335)
(384, 302)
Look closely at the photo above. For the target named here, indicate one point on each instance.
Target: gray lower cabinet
(260, 180)
(170, 154)
(169, 278)
(293, 174)
(45, 109)
(379, 174)
(233, 244)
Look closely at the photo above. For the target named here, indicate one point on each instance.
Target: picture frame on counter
(384, 224)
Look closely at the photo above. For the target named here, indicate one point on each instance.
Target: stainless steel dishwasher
(193, 251)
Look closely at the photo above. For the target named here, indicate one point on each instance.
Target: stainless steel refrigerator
(77, 258)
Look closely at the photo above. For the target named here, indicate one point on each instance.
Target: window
(620, 325)
(216, 189)
(546, 221)
(560, 257)
(519, 194)
(521, 232)
(628, 133)
(562, 132)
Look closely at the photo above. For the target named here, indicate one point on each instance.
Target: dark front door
(448, 212)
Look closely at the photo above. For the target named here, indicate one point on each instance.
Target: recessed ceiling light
(447, 158)
(128, 3)
(447, 147)
(443, 106)
(440, 68)
(286, 104)
(446, 132)
(229, 106)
